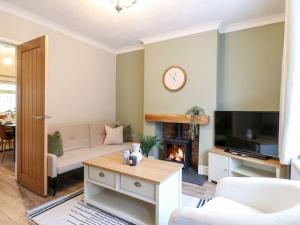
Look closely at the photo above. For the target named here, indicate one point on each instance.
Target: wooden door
(31, 110)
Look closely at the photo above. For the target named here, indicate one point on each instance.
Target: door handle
(38, 117)
(41, 117)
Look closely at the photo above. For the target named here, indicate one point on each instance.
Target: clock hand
(174, 77)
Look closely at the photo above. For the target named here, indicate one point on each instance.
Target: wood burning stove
(178, 149)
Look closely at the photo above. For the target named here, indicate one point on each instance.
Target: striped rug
(70, 210)
(203, 201)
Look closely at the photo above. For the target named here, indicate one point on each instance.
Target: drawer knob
(101, 174)
(137, 184)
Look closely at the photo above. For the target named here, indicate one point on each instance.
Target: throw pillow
(127, 134)
(114, 136)
(55, 145)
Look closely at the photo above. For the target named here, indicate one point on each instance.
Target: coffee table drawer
(138, 186)
(102, 176)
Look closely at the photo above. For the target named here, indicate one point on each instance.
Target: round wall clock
(174, 78)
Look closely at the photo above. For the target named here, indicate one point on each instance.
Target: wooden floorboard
(15, 200)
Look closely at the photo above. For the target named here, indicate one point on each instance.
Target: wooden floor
(205, 191)
(15, 200)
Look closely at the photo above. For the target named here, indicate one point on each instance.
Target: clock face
(174, 78)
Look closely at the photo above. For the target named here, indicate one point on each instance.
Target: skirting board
(203, 170)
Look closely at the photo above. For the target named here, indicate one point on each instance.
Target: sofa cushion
(73, 159)
(55, 145)
(127, 133)
(74, 136)
(97, 132)
(114, 136)
(220, 204)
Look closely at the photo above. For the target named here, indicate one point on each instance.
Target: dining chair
(6, 140)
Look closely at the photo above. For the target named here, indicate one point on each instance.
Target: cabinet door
(218, 167)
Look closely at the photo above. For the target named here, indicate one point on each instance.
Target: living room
(159, 86)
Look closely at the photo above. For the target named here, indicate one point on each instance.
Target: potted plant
(148, 142)
(194, 112)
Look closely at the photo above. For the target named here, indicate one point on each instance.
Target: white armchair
(246, 201)
(295, 169)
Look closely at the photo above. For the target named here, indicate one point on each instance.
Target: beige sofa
(81, 141)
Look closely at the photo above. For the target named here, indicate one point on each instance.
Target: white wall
(81, 77)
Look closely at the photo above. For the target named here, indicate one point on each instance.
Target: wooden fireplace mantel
(175, 118)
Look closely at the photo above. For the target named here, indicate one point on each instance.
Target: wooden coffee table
(145, 194)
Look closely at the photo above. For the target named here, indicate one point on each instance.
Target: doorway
(8, 101)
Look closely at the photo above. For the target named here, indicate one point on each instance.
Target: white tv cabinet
(224, 164)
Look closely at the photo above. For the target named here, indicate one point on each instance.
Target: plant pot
(154, 153)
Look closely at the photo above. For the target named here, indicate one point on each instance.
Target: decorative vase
(132, 160)
(136, 151)
(126, 155)
(154, 153)
(249, 134)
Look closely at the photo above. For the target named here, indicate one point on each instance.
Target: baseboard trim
(203, 170)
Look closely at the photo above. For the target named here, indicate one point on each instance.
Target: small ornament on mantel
(194, 112)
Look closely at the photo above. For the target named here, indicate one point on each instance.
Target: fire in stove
(176, 154)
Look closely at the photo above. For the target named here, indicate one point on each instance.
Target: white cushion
(114, 136)
(97, 132)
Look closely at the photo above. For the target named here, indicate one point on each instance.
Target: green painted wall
(240, 70)
(250, 68)
(130, 89)
(197, 55)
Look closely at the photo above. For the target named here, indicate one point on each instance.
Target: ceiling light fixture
(7, 60)
(121, 4)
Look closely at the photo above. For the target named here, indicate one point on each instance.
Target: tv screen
(248, 131)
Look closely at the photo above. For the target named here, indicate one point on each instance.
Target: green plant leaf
(148, 142)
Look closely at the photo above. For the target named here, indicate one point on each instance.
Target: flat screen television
(247, 131)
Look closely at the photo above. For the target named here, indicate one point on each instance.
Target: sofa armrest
(260, 193)
(51, 165)
(194, 216)
(202, 216)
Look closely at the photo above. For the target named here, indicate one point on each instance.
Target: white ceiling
(97, 19)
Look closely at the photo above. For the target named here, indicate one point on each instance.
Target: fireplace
(178, 146)
(178, 149)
